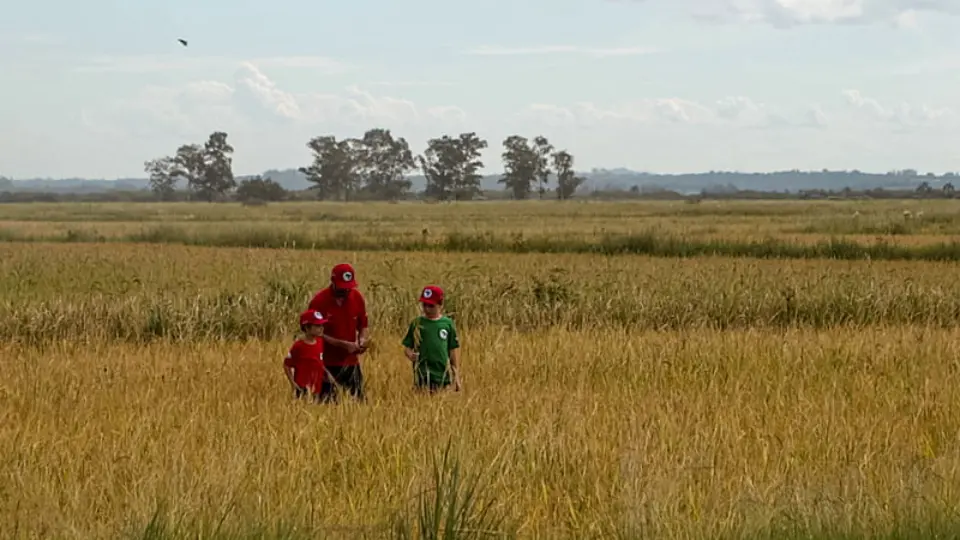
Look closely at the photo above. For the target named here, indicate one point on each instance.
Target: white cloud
(254, 101)
(731, 111)
(408, 84)
(448, 113)
(907, 20)
(740, 112)
(904, 115)
(787, 13)
(600, 52)
(186, 61)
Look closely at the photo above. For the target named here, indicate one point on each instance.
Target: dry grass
(930, 222)
(583, 434)
(137, 293)
(615, 397)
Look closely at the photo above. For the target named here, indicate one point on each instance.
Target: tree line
(375, 166)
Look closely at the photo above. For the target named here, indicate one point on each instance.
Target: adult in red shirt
(345, 332)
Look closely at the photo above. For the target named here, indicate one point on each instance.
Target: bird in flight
(182, 41)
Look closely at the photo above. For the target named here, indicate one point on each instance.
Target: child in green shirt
(432, 346)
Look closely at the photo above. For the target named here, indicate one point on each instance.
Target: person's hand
(456, 384)
(351, 347)
(411, 355)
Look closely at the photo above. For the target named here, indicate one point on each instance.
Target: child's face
(430, 310)
(315, 330)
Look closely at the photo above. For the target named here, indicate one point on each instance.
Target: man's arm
(343, 344)
(363, 325)
(364, 337)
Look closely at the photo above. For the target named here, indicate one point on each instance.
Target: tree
(526, 163)
(520, 162)
(335, 168)
(469, 147)
(207, 169)
(216, 168)
(260, 189)
(163, 180)
(543, 148)
(188, 164)
(451, 166)
(384, 163)
(949, 190)
(567, 180)
(439, 168)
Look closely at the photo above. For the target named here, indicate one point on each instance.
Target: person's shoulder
(357, 297)
(322, 294)
(445, 319)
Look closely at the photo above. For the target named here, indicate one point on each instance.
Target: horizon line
(595, 170)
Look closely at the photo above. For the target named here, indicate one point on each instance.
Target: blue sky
(96, 88)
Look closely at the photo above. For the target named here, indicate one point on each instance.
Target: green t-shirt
(437, 339)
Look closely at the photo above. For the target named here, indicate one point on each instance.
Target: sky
(96, 88)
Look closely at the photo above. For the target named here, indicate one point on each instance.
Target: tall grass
(777, 392)
(651, 243)
(138, 294)
(559, 434)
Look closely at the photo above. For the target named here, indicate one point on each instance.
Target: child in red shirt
(303, 364)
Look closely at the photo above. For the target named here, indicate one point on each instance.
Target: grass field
(632, 393)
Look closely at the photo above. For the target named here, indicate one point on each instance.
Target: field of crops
(631, 370)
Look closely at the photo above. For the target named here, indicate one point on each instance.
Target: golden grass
(614, 397)
(583, 434)
(138, 293)
(931, 221)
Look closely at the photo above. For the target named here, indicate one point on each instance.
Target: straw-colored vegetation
(911, 229)
(606, 396)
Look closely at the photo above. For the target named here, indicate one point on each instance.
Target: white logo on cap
(317, 315)
(348, 276)
(427, 293)
(443, 333)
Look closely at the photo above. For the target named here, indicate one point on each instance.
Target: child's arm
(455, 367)
(288, 367)
(288, 370)
(409, 343)
(453, 345)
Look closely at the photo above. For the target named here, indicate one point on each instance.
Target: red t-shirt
(343, 322)
(307, 362)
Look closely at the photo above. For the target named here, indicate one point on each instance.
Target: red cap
(343, 276)
(431, 294)
(312, 317)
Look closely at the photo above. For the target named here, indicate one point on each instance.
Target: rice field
(666, 393)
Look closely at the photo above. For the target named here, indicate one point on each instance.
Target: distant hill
(597, 179)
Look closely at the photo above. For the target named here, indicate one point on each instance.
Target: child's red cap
(343, 276)
(431, 294)
(312, 317)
